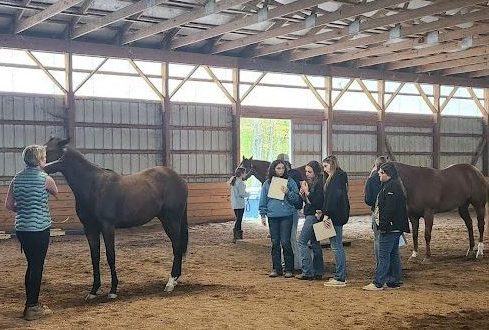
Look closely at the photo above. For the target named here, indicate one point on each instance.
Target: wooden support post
(328, 115)
(381, 119)
(485, 130)
(69, 100)
(166, 114)
(236, 120)
(436, 126)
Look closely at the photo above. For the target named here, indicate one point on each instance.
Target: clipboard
(322, 232)
(275, 190)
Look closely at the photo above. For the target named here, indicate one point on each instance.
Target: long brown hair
(317, 170)
(335, 167)
(237, 173)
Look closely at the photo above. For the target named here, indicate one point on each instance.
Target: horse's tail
(184, 231)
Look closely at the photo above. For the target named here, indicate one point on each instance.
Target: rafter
(467, 68)
(187, 77)
(116, 16)
(314, 91)
(146, 79)
(394, 19)
(481, 73)
(393, 96)
(425, 97)
(219, 84)
(46, 71)
(245, 21)
(257, 81)
(476, 100)
(369, 95)
(341, 13)
(45, 14)
(21, 12)
(343, 91)
(449, 97)
(453, 63)
(365, 26)
(209, 9)
(83, 10)
(91, 74)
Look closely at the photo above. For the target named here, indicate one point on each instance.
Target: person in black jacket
(392, 221)
(312, 194)
(372, 189)
(336, 207)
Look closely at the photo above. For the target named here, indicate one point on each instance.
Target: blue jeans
(376, 231)
(389, 263)
(293, 240)
(280, 229)
(311, 266)
(339, 254)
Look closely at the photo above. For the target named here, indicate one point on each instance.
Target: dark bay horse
(106, 200)
(259, 168)
(431, 191)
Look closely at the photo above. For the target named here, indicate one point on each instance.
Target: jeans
(311, 265)
(280, 229)
(339, 254)
(35, 245)
(376, 231)
(389, 263)
(293, 240)
(239, 218)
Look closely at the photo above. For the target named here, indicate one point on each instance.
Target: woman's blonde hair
(333, 162)
(33, 154)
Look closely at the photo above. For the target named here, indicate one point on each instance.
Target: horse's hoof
(470, 253)
(414, 256)
(112, 295)
(427, 261)
(480, 251)
(90, 296)
(172, 282)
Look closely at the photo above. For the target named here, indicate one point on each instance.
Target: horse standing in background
(431, 191)
(259, 168)
(106, 200)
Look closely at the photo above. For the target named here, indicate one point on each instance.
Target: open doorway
(263, 139)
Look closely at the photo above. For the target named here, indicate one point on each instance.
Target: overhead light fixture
(431, 39)
(310, 21)
(263, 14)
(354, 27)
(467, 43)
(395, 35)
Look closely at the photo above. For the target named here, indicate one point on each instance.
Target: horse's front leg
(93, 237)
(415, 228)
(465, 215)
(428, 226)
(481, 212)
(108, 233)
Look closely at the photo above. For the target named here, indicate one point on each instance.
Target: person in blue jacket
(372, 189)
(238, 200)
(27, 196)
(279, 214)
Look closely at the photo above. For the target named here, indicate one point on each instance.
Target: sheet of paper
(323, 232)
(275, 190)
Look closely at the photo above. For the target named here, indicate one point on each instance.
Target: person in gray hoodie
(238, 200)
(279, 213)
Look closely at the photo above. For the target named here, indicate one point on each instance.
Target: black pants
(239, 218)
(35, 245)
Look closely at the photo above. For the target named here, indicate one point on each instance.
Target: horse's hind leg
(464, 213)
(93, 237)
(428, 226)
(415, 226)
(108, 233)
(171, 225)
(481, 211)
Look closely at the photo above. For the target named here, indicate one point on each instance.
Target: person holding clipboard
(278, 196)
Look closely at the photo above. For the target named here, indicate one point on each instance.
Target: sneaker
(335, 283)
(318, 277)
(372, 287)
(274, 273)
(288, 275)
(303, 277)
(36, 312)
(392, 286)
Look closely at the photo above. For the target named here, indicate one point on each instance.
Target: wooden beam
(436, 126)
(395, 19)
(91, 74)
(219, 84)
(393, 96)
(387, 49)
(83, 10)
(257, 81)
(208, 9)
(481, 73)
(158, 55)
(166, 108)
(467, 68)
(69, 100)
(365, 26)
(343, 91)
(449, 97)
(46, 71)
(478, 103)
(388, 148)
(45, 14)
(146, 79)
(236, 117)
(369, 95)
(343, 12)
(116, 16)
(184, 81)
(21, 12)
(328, 116)
(454, 63)
(314, 91)
(485, 130)
(478, 151)
(245, 21)
(425, 97)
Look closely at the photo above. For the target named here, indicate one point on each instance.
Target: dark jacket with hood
(336, 204)
(316, 197)
(372, 189)
(392, 205)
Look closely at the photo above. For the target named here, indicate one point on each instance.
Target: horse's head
(247, 164)
(55, 149)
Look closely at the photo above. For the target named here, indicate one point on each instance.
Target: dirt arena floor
(226, 286)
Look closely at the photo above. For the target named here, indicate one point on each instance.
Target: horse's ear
(250, 158)
(244, 158)
(64, 142)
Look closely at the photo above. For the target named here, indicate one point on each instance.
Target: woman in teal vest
(27, 196)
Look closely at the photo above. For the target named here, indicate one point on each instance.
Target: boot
(235, 235)
(240, 234)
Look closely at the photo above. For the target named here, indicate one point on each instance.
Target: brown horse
(106, 200)
(431, 191)
(259, 168)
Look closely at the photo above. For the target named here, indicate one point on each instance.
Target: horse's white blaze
(172, 281)
(480, 250)
(112, 296)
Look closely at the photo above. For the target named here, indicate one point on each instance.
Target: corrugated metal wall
(201, 141)
(122, 135)
(460, 136)
(411, 145)
(25, 120)
(306, 143)
(356, 148)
